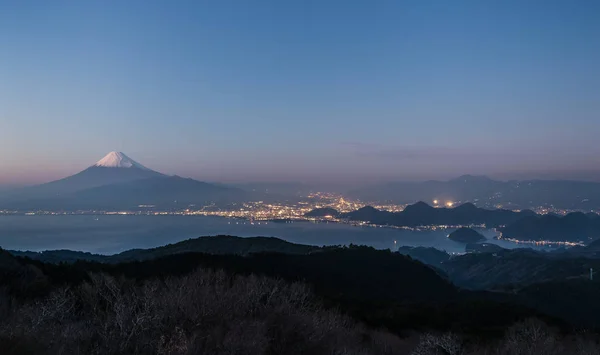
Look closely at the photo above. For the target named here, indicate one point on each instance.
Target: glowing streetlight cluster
(436, 203)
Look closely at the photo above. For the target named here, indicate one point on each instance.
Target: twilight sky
(312, 90)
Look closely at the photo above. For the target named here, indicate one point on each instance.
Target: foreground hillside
(378, 287)
(204, 312)
(153, 308)
(518, 267)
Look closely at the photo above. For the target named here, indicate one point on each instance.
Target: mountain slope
(166, 191)
(118, 160)
(574, 226)
(117, 181)
(421, 214)
(517, 194)
(96, 176)
(114, 168)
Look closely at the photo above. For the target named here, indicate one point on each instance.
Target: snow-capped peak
(118, 160)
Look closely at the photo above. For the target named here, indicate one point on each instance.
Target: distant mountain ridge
(422, 214)
(113, 168)
(323, 212)
(523, 225)
(117, 181)
(517, 194)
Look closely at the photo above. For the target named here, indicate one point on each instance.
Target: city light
(257, 212)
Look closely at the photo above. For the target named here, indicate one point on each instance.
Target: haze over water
(109, 234)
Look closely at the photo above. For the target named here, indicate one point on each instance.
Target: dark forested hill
(525, 224)
(349, 300)
(466, 235)
(220, 244)
(378, 287)
(517, 267)
(422, 214)
(323, 212)
(430, 256)
(572, 227)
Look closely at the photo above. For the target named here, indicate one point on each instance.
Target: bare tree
(443, 344)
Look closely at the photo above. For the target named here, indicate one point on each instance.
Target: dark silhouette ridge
(220, 244)
(483, 248)
(525, 224)
(520, 194)
(466, 235)
(323, 212)
(368, 214)
(572, 227)
(422, 214)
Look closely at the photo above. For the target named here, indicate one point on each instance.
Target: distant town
(290, 210)
(260, 212)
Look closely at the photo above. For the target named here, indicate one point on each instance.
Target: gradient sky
(300, 90)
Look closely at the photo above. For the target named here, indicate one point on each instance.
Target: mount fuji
(114, 168)
(118, 160)
(117, 181)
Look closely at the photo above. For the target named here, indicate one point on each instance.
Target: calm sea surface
(108, 234)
